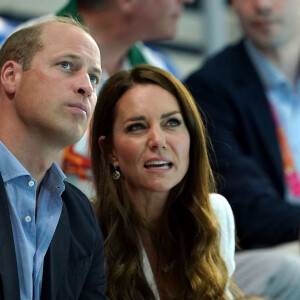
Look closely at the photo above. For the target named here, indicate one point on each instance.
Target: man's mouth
(78, 107)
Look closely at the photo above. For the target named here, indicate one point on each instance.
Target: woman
(165, 236)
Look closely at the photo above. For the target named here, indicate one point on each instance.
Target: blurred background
(206, 26)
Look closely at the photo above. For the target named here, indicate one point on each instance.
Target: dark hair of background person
(189, 236)
(93, 4)
(98, 4)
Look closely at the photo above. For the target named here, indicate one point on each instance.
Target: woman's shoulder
(227, 230)
(220, 204)
(224, 214)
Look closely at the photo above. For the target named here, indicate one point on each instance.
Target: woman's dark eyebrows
(170, 114)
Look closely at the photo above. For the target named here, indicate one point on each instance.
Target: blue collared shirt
(284, 97)
(32, 232)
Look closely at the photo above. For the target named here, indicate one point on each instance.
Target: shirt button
(27, 219)
(31, 183)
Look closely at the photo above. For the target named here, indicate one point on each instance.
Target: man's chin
(73, 138)
(164, 36)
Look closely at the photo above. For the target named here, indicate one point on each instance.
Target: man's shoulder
(69, 187)
(222, 64)
(73, 196)
(78, 207)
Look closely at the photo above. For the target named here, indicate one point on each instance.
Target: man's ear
(10, 74)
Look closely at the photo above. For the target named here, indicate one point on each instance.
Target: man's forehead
(57, 27)
(56, 33)
(69, 41)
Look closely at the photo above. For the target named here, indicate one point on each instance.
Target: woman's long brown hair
(190, 233)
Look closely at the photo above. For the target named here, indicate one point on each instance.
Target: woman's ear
(10, 74)
(104, 149)
(101, 143)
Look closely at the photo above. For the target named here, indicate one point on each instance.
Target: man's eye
(94, 79)
(135, 127)
(66, 65)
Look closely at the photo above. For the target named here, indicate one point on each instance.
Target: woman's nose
(157, 138)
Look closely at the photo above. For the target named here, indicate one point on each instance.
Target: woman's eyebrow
(133, 119)
(143, 118)
(163, 116)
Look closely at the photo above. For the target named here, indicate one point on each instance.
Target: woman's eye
(135, 127)
(173, 122)
(94, 79)
(66, 65)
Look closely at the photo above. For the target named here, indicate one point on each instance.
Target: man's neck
(286, 58)
(113, 59)
(35, 158)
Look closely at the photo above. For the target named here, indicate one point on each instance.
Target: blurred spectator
(250, 94)
(6, 27)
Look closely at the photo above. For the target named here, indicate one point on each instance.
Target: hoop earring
(116, 174)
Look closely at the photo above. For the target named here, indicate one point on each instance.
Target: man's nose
(263, 6)
(84, 85)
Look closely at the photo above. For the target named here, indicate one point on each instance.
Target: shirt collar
(54, 179)
(11, 168)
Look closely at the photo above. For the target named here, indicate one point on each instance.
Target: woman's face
(151, 142)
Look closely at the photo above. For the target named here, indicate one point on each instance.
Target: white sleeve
(227, 227)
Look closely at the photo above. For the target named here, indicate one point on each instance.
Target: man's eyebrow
(70, 56)
(97, 70)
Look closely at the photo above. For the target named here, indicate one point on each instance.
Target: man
(51, 245)
(250, 96)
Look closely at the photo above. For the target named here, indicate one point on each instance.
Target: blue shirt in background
(32, 232)
(6, 28)
(285, 97)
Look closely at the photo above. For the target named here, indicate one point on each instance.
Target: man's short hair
(22, 45)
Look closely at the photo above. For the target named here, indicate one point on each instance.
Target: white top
(227, 241)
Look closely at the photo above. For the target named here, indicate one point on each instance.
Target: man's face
(56, 97)
(158, 18)
(269, 23)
